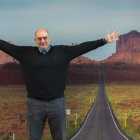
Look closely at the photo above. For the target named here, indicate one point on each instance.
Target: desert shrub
(79, 121)
(5, 106)
(19, 118)
(11, 117)
(139, 129)
(2, 132)
(5, 137)
(13, 124)
(4, 122)
(69, 131)
(2, 117)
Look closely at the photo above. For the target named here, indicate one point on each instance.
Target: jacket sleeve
(12, 50)
(75, 51)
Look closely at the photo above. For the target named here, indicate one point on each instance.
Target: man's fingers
(115, 31)
(9, 42)
(116, 39)
(107, 32)
(118, 33)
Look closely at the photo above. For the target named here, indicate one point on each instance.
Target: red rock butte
(127, 49)
(5, 58)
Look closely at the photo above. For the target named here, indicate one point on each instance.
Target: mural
(115, 65)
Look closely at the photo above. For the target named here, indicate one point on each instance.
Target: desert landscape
(122, 78)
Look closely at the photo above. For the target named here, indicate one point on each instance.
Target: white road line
(87, 116)
(113, 117)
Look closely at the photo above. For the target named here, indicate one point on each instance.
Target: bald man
(44, 70)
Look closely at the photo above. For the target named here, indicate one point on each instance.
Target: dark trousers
(39, 110)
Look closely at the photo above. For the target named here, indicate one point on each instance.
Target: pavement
(100, 123)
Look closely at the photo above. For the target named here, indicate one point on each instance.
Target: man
(44, 70)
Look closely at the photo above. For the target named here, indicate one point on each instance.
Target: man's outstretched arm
(75, 51)
(11, 49)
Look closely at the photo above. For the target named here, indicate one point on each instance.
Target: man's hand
(9, 42)
(111, 38)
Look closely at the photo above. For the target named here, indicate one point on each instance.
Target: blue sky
(68, 22)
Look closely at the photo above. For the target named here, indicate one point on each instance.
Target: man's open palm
(112, 37)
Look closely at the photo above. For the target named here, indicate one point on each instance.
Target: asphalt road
(100, 123)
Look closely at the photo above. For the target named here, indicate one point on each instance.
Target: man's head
(42, 39)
